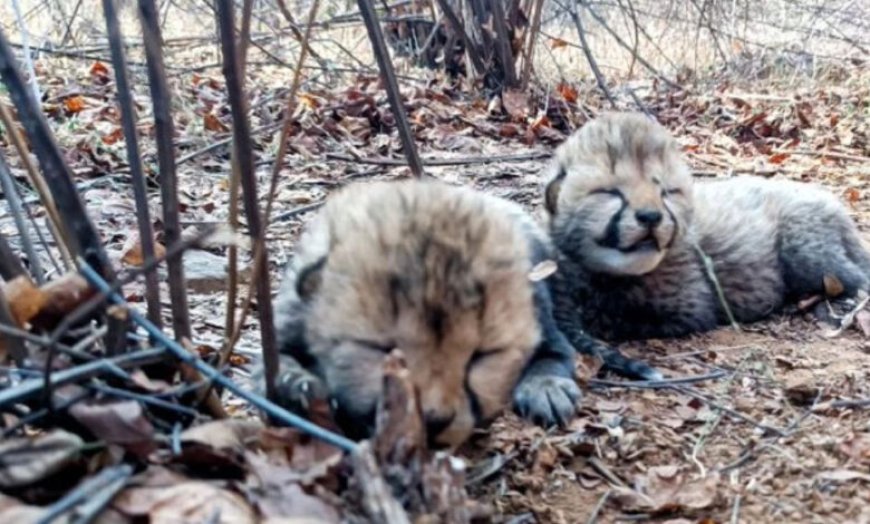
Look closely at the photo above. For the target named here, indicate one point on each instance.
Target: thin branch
(164, 131)
(13, 346)
(593, 65)
(470, 48)
(17, 210)
(244, 156)
(533, 32)
(503, 43)
(10, 264)
(379, 47)
(134, 159)
(38, 182)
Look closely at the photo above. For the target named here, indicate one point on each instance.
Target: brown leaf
(664, 489)
(275, 490)
(119, 422)
(191, 501)
(24, 461)
(833, 286)
(778, 158)
(25, 299)
(556, 43)
(568, 93)
(133, 252)
(516, 103)
(508, 130)
(74, 104)
(113, 137)
(853, 195)
(99, 69)
(212, 123)
(223, 434)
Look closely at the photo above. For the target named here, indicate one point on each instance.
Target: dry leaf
(543, 270)
(113, 137)
(666, 489)
(833, 286)
(120, 422)
(24, 461)
(133, 253)
(568, 93)
(191, 501)
(223, 434)
(25, 299)
(778, 158)
(852, 195)
(308, 101)
(212, 123)
(556, 43)
(74, 104)
(99, 69)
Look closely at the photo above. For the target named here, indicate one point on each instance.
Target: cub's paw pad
(547, 400)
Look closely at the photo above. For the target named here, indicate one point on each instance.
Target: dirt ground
(763, 440)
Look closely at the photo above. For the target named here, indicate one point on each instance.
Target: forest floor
(764, 442)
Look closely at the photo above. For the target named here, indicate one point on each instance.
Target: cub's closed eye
(604, 191)
(376, 346)
(674, 191)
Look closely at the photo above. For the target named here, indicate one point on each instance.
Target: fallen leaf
(212, 123)
(664, 489)
(801, 387)
(223, 434)
(833, 286)
(99, 69)
(133, 251)
(119, 422)
(113, 137)
(852, 195)
(191, 501)
(307, 100)
(568, 93)
(25, 299)
(74, 104)
(556, 43)
(24, 461)
(778, 158)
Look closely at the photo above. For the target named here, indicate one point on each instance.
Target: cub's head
(436, 271)
(619, 195)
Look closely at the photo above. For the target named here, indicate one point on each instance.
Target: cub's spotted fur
(441, 273)
(626, 217)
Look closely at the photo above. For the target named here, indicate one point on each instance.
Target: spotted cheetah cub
(631, 225)
(443, 273)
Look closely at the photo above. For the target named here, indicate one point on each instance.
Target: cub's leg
(547, 393)
(822, 240)
(296, 388)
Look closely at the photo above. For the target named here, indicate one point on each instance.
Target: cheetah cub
(627, 220)
(443, 273)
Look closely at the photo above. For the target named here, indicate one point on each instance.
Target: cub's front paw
(547, 400)
(296, 389)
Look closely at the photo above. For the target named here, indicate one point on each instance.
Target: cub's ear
(551, 193)
(310, 279)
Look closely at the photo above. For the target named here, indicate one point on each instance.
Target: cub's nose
(436, 423)
(648, 217)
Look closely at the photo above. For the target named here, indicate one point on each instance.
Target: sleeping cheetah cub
(442, 273)
(627, 219)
